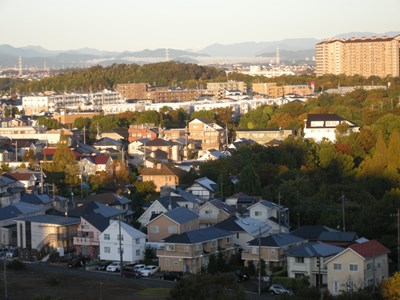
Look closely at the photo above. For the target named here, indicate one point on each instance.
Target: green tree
(49, 123)
(249, 181)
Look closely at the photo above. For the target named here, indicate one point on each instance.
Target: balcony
(86, 241)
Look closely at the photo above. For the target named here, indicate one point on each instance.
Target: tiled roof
(95, 207)
(164, 169)
(198, 236)
(17, 209)
(314, 249)
(277, 240)
(222, 206)
(166, 201)
(107, 198)
(338, 236)
(36, 199)
(181, 215)
(19, 176)
(97, 220)
(312, 232)
(207, 183)
(370, 249)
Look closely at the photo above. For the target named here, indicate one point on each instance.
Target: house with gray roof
(190, 251)
(309, 260)
(213, 212)
(203, 187)
(273, 249)
(244, 229)
(9, 191)
(174, 221)
(45, 232)
(275, 215)
(95, 207)
(43, 200)
(109, 199)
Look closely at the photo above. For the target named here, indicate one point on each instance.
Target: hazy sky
(185, 24)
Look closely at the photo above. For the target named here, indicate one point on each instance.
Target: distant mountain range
(290, 49)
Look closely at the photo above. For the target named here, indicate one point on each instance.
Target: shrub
(15, 265)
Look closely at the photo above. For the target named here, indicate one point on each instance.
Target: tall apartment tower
(20, 66)
(373, 56)
(278, 57)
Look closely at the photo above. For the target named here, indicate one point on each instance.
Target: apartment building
(272, 90)
(134, 90)
(207, 134)
(372, 56)
(218, 88)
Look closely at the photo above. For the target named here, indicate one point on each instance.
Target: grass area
(154, 292)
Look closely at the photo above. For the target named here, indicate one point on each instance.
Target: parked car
(77, 262)
(114, 267)
(128, 271)
(174, 276)
(149, 270)
(241, 276)
(279, 289)
(12, 252)
(102, 266)
(139, 267)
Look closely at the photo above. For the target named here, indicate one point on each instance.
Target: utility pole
(120, 246)
(343, 212)
(259, 259)
(5, 279)
(279, 211)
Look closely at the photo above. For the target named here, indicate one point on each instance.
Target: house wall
(344, 279)
(209, 137)
(133, 250)
(155, 208)
(162, 227)
(87, 242)
(309, 267)
(198, 190)
(162, 180)
(210, 215)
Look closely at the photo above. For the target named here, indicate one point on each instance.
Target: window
(337, 267)
(228, 240)
(120, 237)
(167, 262)
(353, 267)
(207, 212)
(154, 229)
(369, 266)
(170, 247)
(106, 236)
(186, 248)
(137, 241)
(254, 250)
(258, 213)
(299, 260)
(298, 275)
(107, 250)
(214, 243)
(172, 229)
(138, 252)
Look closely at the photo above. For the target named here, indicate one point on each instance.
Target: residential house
(213, 154)
(8, 215)
(312, 233)
(273, 214)
(308, 260)
(172, 149)
(47, 231)
(357, 267)
(93, 165)
(326, 235)
(319, 126)
(239, 143)
(241, 201)
(273, 249)
(9, 192)
(94, 207)
(122, 240)
(24, 180)
(164, 204)
(244, 229)
(116, 134)
(163, 175)
(107, 143)
(213, 212)
(109, 199)
(42, 200)
(207, 135)
(190, 251)
(87, 241)
(263, 136)
(203, 187)
(174, 221)
(137, 132)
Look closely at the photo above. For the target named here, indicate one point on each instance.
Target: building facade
(374, 56)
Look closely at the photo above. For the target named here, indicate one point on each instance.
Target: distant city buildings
(374, 56)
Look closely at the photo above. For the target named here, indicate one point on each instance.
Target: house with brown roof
(25, 180)
(357, 267)
(137, 132)
(174, 221)
(173, 150)
(163, 175)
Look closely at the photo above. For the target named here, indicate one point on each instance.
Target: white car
(139, 267)
(149, 270)
(114, 267)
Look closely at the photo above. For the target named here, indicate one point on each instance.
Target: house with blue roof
(47, 232)
(190, 251)
(174, 221)
(203, 187)
(309, 260)
(214, 211)
(273, 249)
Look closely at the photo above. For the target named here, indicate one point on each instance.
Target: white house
(319, 126)
(213, 212)
(120, 235)
(203, 187)
(275, 215)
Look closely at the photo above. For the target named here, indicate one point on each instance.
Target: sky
(133, 25)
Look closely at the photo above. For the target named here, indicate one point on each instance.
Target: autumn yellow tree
(391, 287)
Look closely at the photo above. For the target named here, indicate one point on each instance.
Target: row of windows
(108, 250)
(156, 229)
(107, 237)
